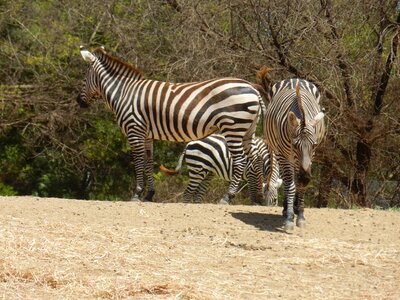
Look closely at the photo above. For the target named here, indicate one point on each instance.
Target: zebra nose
(306, 169)
(304, 176)
(81, 102)
(306, 165)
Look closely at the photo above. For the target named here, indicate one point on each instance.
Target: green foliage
(106, 143)
(109, 158)
(167, 153)
(43, 174)
(6, 190)
(13, 164)
(53, 178)
(47, 144)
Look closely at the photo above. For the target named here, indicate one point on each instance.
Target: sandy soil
(70, 249)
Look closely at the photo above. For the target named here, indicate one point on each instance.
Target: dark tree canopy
(349, 49)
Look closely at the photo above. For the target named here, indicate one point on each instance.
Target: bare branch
(378, 101)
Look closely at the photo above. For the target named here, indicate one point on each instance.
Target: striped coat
(210, 156)
(147, 109)
(293, 128)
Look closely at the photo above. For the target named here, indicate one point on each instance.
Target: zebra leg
(290, 189)
(296, 202)
(137, 145)
(196, 176)
(149, 170)
(238, 163)
(235, 146)
(202, 188)
(299, 208)
(303, 181)
(254, 172)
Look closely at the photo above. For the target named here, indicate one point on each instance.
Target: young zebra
(293, 127)
(210, 156)
(147, 109)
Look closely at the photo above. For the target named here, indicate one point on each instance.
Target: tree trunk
(364, 148)
(359, 184)
(325, 186)
(395, 201)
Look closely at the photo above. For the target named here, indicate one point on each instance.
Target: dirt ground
(71, 249)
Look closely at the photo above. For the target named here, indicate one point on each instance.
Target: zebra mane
(297, 107)
(300, 104)
(100, 52)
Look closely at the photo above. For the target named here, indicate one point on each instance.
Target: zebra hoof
(301, 223)
(135, 198)
(149, 196)
(223, 202)
(289, 225)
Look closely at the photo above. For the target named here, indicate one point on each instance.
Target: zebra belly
(164, 134)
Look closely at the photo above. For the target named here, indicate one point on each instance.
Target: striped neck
(113, 74)
(116, 67)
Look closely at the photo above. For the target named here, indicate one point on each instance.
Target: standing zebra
(147, 109)
(293, 127)
(210, 156)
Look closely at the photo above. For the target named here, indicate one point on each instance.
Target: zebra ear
(293, 121)
(87, 56)
(318, 117)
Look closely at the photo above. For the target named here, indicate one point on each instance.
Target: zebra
(293, 128)
(148, 110)
(210, 156)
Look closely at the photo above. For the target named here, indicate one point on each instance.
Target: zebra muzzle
(81, 103)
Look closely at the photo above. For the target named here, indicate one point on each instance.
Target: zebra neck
(113, 77)
(111, 89)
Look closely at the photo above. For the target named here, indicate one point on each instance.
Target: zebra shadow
(262, 221)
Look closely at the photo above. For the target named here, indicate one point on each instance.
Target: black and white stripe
(148, 109)
(293, 127)
(210, 156)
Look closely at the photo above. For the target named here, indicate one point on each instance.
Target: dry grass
(59, 249)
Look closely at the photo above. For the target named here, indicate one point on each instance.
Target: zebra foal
(293, 128)
(210, 156)
(148, 110)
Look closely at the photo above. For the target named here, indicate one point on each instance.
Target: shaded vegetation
(50, 147)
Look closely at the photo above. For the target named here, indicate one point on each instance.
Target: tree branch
(342, 64)
(378, 101)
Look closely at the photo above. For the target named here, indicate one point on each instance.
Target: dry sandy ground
(70, 249)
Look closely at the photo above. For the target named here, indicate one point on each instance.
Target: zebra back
(211, 154)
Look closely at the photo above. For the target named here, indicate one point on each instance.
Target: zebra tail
(263, 86)
(177, 168)
(262, 76)
(263, 107)
(167, 171)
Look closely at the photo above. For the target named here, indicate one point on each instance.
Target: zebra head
(90, 89)
(304, 136)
